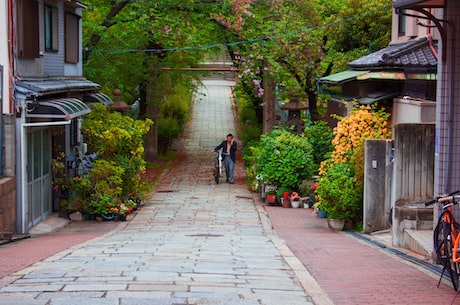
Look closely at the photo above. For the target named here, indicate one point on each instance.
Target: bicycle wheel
(443, 246)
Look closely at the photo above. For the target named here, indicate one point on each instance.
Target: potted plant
(295, 199)
(270, 193)
(307, 191)
(340, 193)
(283, 195)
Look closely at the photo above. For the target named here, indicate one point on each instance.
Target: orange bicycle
(446, 238)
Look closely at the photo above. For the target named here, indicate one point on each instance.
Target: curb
(307, 281)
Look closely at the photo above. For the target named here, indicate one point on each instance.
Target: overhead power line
(247, 41)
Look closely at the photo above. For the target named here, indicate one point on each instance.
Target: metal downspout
(451, 112)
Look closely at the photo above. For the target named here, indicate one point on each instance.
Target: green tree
(129, 43)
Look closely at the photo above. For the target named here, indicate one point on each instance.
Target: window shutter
(28, 34)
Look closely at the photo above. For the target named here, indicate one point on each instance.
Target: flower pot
(295, 204)
(286, 203)
(271, 199)
(336, 224)
(107, 217)
(321, 213)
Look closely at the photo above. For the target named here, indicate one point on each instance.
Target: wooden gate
(414, 162)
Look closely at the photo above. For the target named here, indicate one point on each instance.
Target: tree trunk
(151, 141)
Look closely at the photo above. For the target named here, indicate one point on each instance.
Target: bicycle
(217, 170)
(446, 238)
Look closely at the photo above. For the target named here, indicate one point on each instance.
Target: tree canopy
(127, 44)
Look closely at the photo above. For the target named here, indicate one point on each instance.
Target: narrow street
(195, 242)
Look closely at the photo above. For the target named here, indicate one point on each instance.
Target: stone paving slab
(193, 242)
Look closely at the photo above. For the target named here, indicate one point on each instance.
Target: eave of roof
(341, 77)
(410, 53)
(42, 87)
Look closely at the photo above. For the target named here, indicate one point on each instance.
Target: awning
(62, 108)
(371, 98)
(97, 97)
(341, 77)
(382, 75)
(375, 97)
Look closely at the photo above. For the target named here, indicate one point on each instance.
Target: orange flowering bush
(351, 132)
(340, 187)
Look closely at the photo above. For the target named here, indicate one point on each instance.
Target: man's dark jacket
(223, 145)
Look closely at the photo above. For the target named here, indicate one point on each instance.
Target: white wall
(414, 30)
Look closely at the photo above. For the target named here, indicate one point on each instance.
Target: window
(401, 24)
(27, 29)
(72, 38)
(51, 28)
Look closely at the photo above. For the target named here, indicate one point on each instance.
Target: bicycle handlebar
(444, 198)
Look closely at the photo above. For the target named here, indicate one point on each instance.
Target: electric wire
(234, 43)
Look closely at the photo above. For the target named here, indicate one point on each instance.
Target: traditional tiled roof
(42, 87)
(410, 53)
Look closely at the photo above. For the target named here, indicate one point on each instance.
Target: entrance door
(38, 175)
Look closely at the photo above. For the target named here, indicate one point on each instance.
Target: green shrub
(320, 136)
(250, 127)
(340, 192)
(118, 141)
(284, 158)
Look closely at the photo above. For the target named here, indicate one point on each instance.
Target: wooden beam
(202, 69)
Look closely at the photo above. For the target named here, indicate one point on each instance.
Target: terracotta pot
(271, 199)
(286, 203)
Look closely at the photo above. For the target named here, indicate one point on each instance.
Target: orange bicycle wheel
(443, 246)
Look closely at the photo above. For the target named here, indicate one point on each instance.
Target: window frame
(51, 26)
(402, 24)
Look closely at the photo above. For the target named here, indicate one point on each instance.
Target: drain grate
(205, 235)
(243, 197)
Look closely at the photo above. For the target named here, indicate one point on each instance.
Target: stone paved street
(194, 242)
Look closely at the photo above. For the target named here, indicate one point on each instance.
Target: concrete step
(419, 241)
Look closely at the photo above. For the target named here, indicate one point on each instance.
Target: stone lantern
(294, 107)
(118, 104)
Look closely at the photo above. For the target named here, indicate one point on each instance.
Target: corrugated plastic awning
(367, 100)
(62, 108)
(376, 97)
(341, 77)
(97, 97)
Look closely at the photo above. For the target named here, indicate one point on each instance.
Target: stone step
(419, 241)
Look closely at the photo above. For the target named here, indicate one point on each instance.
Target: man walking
(229, 152)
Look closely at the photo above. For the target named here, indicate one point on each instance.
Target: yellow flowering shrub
(340, 187)
(364, 122)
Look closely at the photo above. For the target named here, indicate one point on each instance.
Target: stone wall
(8, 204)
